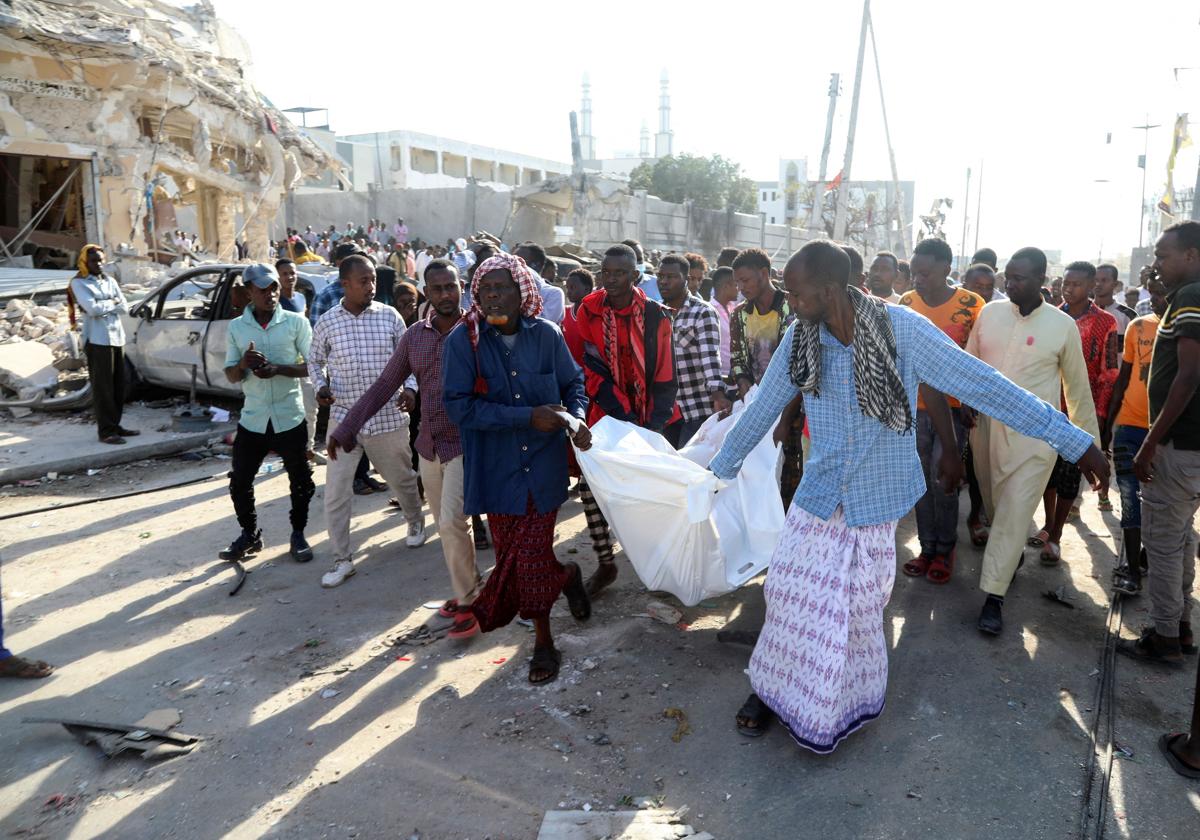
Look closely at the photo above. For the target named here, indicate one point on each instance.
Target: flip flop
(918, 566)
(1039, 539)
(1164, 746)
(756, 710)
(545, 659)
(576, 593)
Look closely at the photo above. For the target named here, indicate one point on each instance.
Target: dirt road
(315, 727)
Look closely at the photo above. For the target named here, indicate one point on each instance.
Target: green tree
(713, 183)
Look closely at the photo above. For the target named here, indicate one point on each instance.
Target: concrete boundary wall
(438, 214)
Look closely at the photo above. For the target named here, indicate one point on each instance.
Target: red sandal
(449, 609)
(941, 568)
(918, 566)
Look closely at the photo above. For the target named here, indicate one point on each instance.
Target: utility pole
(1145, 129)
(897, 208)
(839, 220)
(818, 201)
(966, 220)
(978, 204)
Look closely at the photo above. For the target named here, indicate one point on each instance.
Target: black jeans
(249, 450)
(106, 370)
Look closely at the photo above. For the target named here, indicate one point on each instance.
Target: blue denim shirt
(504, 459)
(871, 471)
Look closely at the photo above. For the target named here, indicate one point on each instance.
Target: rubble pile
(47, 323)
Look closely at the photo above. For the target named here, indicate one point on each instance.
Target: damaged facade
(116, 113)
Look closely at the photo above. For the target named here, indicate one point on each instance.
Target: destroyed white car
(175, 335)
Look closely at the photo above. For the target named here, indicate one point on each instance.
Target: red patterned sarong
(528, 578)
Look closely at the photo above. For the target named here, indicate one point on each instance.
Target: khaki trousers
(1169, 505)
(444, 492)
(391, 455)
(1012, 471)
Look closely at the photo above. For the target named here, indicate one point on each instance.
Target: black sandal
(545, 659)
(754, 710)
(577, 597)
(1125, 583)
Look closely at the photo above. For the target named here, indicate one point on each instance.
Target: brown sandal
(21, 668)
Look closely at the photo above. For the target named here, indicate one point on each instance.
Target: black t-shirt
(1181, 320)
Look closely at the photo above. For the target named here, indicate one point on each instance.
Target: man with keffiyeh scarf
(820, 664)
(629, 370)
(102, 302)
(511, 386)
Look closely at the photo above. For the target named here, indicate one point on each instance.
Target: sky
(1025, 90)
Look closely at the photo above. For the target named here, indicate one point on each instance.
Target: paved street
(981, 738)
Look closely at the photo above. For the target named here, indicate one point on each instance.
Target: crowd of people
(467, 387)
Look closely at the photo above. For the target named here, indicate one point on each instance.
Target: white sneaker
(336, 576)
(416, 534)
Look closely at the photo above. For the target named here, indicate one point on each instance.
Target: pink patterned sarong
(821, 660)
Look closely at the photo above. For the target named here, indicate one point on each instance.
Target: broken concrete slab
(27, 366)
(654, 824)
(151, 736)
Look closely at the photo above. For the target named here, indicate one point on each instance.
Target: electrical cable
(130, 494)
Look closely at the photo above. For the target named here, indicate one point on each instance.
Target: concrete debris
(48, 323)
(27, 367)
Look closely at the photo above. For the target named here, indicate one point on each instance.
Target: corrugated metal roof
(22, 282)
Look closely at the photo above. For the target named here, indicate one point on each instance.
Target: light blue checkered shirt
(871, 471)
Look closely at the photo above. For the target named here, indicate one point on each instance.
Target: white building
(782, 200)
(409, 159)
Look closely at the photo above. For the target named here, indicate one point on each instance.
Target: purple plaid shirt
(418, 353)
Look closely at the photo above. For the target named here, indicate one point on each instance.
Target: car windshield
(190, 299)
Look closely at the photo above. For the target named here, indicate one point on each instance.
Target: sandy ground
(981, 737)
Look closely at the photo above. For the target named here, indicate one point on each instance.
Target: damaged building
(121, 120)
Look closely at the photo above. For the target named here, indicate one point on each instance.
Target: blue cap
(261, 275)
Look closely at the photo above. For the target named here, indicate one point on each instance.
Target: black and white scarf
(881, 394)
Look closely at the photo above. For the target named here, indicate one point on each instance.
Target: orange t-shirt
(955, 318)
(1139, 347)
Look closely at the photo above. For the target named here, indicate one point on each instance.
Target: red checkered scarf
(531, 301)
(639, 394)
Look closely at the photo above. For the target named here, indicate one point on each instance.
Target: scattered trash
(664, 613)
(404, 659)
(329, 693)
(682, 727)
(28, 482)
(311, 643)
(500, 661)
(95, 472)
(283, 600)
(587, 806)
(59, 801)
(191, 456)
(52, 475)
(150, 736)
(219, 415)
(145, 535)
(1123, 752)
(914, 795)
(602, 740)
(1059, 596)
(588, 664)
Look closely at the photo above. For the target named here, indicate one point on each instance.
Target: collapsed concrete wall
(146, 94)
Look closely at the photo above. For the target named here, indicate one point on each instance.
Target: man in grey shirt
(102, 302)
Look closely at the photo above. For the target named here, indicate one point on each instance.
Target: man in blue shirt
(820, 664)
(265, 352)
(510, 384)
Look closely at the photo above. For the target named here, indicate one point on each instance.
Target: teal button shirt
(284, 341)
